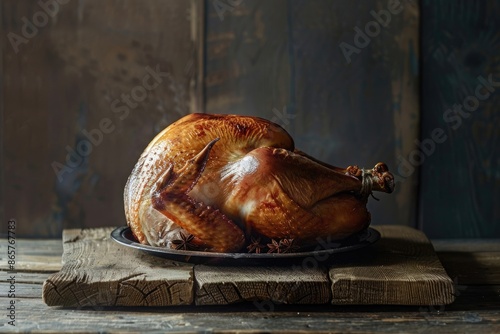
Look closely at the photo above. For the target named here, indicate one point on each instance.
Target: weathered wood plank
(472, 268)
(279, 285)
(48, 247)
(35, 263)
(401, 269)
(33, 255)
(26, 277)
(34, 316)
(475, 310)
(98, 271)
(22, 290)
(466, 245)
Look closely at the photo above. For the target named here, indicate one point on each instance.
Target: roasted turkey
(228, 183)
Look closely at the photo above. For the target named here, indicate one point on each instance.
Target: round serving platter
(123, 235)
(322, 252)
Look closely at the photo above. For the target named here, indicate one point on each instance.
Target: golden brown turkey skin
(226, 178)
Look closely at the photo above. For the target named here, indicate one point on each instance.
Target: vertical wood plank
(283, 61)
(75, 73)
(247, 61)
(363, 109)
(461, 173)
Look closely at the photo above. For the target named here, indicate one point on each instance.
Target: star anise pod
(287, 246)
(282, 246)
(274, 246)
(185, 242)
(255, 246)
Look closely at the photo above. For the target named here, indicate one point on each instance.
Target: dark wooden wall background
(64, 81)
(281, 60)
(460, 182)
(276, 59)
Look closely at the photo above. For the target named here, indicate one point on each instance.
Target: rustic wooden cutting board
(400, 269)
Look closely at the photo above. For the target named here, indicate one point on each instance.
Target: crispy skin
(224, 178)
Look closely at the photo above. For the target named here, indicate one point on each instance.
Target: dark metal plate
(325, 249)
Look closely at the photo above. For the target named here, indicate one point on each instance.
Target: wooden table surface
(474, 265)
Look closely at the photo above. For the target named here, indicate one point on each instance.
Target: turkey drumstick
(225, 179)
